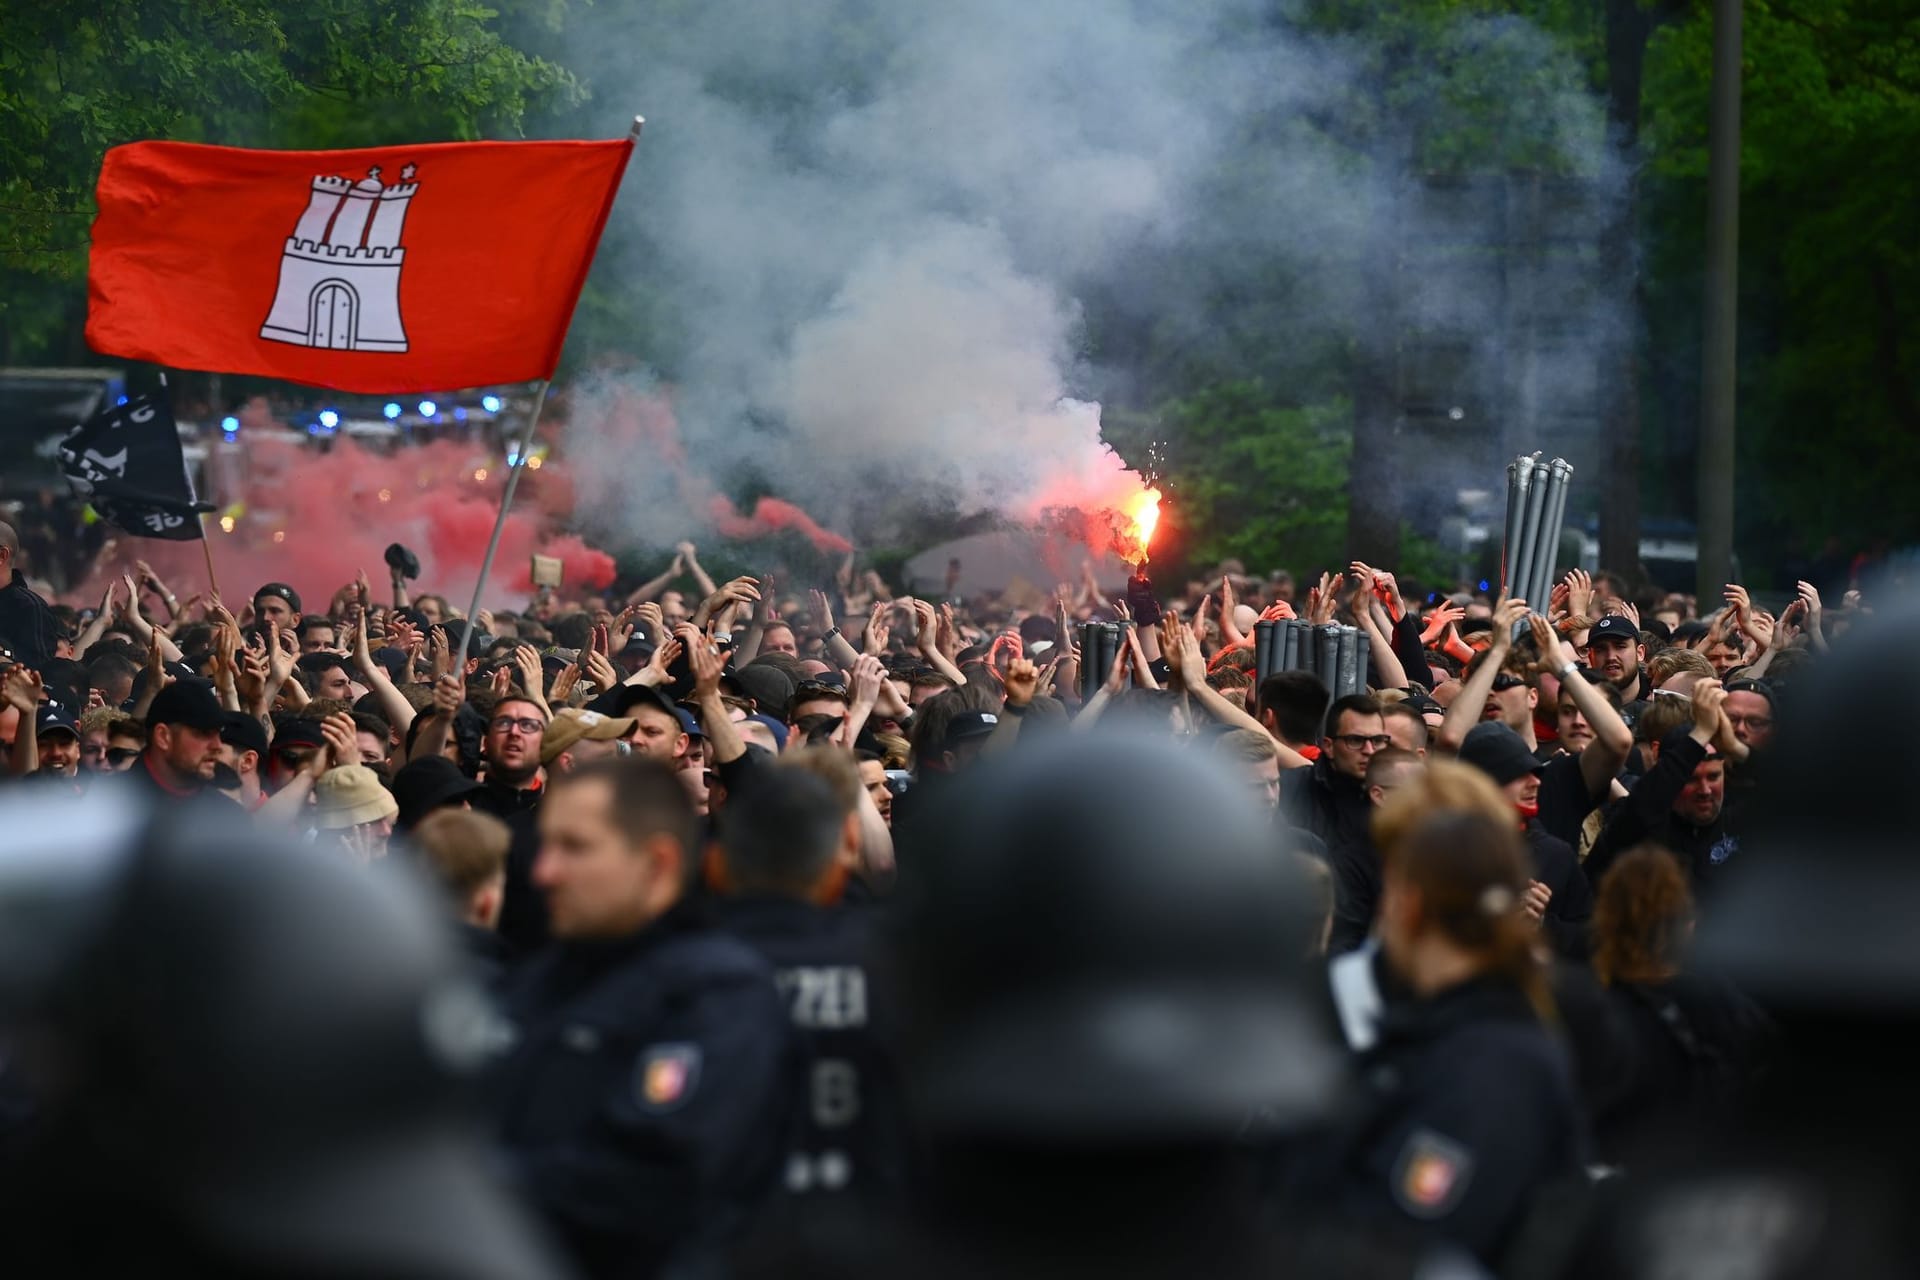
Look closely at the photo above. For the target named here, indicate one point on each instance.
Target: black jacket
(1647, 815)
(1473, 1110)
(1330, 805)
(1698, 1046)
(26, 624)
(1557, 866)
(1356, 893)
(644, 1107)
(851, 1136)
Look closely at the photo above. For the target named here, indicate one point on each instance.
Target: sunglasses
(1506, 680)
(122, 755)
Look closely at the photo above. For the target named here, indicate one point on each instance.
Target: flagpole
(516, 460)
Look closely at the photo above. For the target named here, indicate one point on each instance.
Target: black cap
(1107, 985)
(245, 733)
(1498, 752)
(1613, 624)
(402, 560)
(298, 731)
(969, 725)
(54, 719)
(304, 1110)
(620, 700)
(429, 783)
(190, 702)
(768, 688)
(1425, 705)
(282, 590)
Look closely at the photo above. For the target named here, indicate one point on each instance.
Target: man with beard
(1615, 651)
(512, 787)
(1680, 802)
(183, 740)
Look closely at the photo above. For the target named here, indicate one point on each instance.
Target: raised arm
(393, 704)
(1472, 698)
(1188, 671)
(1600, 763)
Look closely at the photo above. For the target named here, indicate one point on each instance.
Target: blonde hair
(466, 851)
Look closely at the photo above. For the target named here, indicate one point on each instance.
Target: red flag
(390, 269)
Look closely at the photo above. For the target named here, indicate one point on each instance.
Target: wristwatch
(1569, 669)
(832, 633)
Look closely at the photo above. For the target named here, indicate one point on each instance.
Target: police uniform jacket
(645, 1099)
(850, 1135)
(1473, 1109)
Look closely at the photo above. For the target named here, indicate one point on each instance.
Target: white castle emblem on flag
(340, 272)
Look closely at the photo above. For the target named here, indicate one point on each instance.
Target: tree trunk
(1628, 28)
(1374, 482)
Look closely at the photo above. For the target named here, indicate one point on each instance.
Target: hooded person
(225, 1086)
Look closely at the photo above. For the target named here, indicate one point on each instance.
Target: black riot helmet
(239, 1054)
(1099, 941)
(1820, 900)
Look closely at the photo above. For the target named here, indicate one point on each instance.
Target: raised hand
(868, 675)
(1507, 615)
(449, 691)
(879, 630)
(658, 671)
(822, 611)
(1278, 611)
(1579, 586)
(1022, 682)
(707, 666)
(22, 689)
(1444, 615)
(1709, 704)
(343, 746)
(1554, 655)
(566, 678)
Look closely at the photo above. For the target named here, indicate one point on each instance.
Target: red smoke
(772, 515)
(644, 425)
(312, 519)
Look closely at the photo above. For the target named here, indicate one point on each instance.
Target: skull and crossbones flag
(126, 462)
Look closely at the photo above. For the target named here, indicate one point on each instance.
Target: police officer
(645, 1103)
(786, 841)
(1815, 922)
(1472, 1108)
(238, 1059)
(1093, 1004)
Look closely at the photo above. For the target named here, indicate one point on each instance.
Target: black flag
(126, 462)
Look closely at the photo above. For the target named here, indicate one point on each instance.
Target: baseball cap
(1498, 752)
(189, 702)
(1614, 624)
(775, 727)
(622, 698)
(574, 725)
(350, 795)
(298, 731)
(429, 783)
(53, 719)
(1425, 705)
(283, 591)
(689, 724)
(969, 725)
(244, 732)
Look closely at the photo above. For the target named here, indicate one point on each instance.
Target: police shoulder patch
(1430, 1175)
(666, 1076)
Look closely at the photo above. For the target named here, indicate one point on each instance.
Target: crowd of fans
(669, 824)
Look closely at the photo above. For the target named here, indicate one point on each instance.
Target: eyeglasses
(525, 724)
(122, 755)
(1753, 722)
(1361, 741)
(1507, 680)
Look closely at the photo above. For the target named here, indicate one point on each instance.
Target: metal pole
(1560, 477)
(1262, 650)
(1345, 680)
(1364, 649)
(1326, 657)
(517, 463)
(1515, 503)
(1288, 659)
(1518, 492)
(1720, 321)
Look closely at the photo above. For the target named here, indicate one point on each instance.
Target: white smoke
(870, 224)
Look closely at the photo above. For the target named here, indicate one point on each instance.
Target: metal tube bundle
(1263, 646)
(1536, 509)
(1340, 656)
(1101, 645)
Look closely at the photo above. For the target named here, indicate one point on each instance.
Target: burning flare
(1145, 514)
